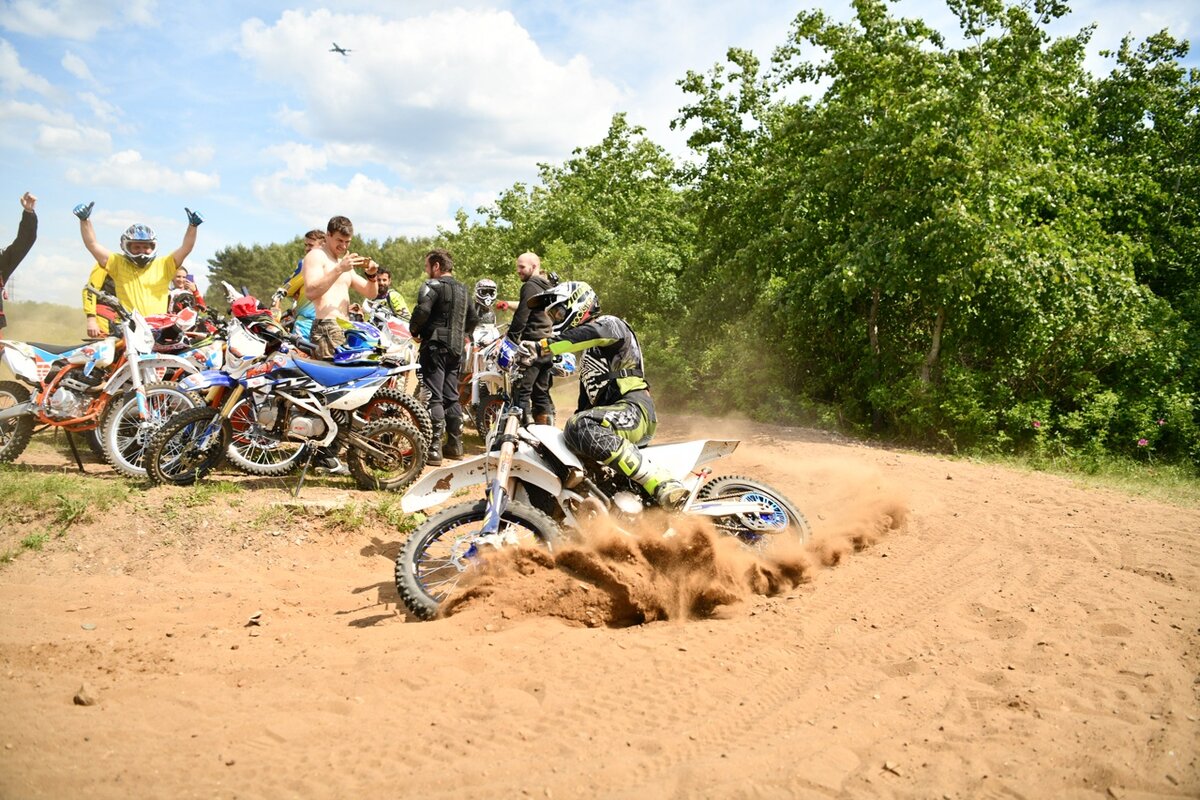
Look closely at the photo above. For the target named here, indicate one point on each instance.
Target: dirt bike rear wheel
(257, 452)
(426, 570)
(15, 431)
(403, 459)
(389, 402)
(486, 412)
(756, 530)
(124, 434)
(175, 454)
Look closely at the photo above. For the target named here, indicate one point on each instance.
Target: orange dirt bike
(113, 383)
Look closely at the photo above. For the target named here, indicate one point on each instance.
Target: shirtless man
(328, 277)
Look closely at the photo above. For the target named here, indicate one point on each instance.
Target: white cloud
(68, 139)
(77, 67)
(14, 78)
(300, 159)
(103, 110)
(128, 170)
(17, 111)
(417, 93)
(377, 210)
(196, 155)
(58, 132)
(73, 19)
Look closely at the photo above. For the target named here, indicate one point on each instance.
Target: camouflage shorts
(327, 336)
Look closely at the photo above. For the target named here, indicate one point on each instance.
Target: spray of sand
(663, 570)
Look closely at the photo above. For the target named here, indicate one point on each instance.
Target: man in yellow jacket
(142, 279)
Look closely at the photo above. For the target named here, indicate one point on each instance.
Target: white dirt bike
(536, 488)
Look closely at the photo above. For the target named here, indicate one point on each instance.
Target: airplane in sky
(341, 50)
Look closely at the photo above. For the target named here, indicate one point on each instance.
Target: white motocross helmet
(139, 233)
(485, 292)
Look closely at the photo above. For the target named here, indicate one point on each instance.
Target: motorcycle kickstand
(304, 472)
(75, 452)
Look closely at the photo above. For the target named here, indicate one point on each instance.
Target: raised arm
(98, 251)
(189, 237)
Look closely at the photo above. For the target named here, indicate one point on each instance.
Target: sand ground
(1011, 635)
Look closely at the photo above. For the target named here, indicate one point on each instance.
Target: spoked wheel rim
(131, 433)
(255, 449)
(449, 552)
(185, 455)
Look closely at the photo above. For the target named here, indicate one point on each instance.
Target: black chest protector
(447, 321)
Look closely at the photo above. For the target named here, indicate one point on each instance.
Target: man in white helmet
(142, 278)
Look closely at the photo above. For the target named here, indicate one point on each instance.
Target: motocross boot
(454, 446)
(669, 493)
(434, 457)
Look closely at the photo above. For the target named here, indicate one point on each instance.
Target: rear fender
(18, 357)
(681, 458)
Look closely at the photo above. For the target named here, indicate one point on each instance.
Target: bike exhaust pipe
(19, 410)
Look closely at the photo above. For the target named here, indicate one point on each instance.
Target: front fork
(500, 490)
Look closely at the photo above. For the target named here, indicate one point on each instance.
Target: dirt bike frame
(538, 455)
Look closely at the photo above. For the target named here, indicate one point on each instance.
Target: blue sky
(239, 110)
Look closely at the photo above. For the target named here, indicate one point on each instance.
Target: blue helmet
(139, 233)
(362, 344)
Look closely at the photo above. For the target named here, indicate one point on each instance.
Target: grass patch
(35, 541)
(358, 515)
(1177, 484)
(67, 498)
(202, 494)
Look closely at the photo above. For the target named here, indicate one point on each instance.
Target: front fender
(149, 368)
(441, 484)
(206, 380)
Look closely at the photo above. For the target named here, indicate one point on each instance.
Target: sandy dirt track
(1016, 636)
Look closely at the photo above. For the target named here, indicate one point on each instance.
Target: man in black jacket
(532, 325)
(441, 320)
(11, 256)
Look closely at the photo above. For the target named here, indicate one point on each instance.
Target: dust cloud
(678, 570)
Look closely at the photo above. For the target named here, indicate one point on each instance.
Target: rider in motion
(615, 413)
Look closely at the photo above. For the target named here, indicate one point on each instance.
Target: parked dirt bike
(253, 447)
(536, 488)
(296, 404)
(115, 382)
(123, 430)
(480, 385)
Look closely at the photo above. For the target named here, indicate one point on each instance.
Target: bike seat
(59, 349)
(328, 374)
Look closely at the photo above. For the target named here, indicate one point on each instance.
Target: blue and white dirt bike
(536, 489)
(297, 403)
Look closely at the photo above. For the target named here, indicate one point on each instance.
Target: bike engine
(301, 426)
(66, 404)
(69, 399)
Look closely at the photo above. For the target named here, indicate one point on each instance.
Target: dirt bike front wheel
(440, 551)
(123, 432)
(187, 447)
(756, 529)
(392, 458)
(489, 408)
(14, 431)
